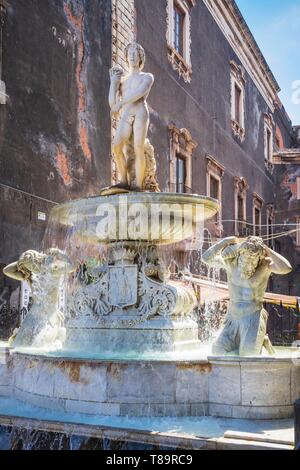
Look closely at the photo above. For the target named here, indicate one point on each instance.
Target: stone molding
(216, 170)
(269, 125)
(240, 189)
(181, 64)
(257, 203)
(237, 78)
(182, 143)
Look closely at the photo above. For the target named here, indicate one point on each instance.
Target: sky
(275, 25)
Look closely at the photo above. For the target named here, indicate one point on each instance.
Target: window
(269, 145)
(298, 187)
(214, 187)
(240, 195)
(180, 174)
(298, 231)
(178, 29)
(268, 137)
(238, 95)
(214, 176)
(237, 100)
(257, 218)
(257, 209)
(178, 36)
(241, 214)
(270, 213)
(181, 150)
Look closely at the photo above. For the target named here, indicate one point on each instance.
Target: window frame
(298, 232)
(268, 140)
(181, 143)
(181, 62)
(182, 158)
(237, 82)
(240, 190)
(215, 170)
(257, 206)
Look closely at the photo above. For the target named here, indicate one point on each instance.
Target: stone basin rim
(142, 197)
(88, 359)
(204, 359)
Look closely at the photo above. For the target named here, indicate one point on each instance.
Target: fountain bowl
(151, 218)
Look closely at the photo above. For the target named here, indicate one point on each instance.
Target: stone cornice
(235, 29)
(284, 156)
(240, 184)
(256, 198)
(213, 163)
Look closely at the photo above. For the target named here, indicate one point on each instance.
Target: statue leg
(140, 129)
(253, 330)
(123, 134)
(227, 340)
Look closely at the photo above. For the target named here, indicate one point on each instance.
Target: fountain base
(249, 387)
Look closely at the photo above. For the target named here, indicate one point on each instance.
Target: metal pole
(297, 424)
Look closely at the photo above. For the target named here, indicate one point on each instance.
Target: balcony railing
(180, 188)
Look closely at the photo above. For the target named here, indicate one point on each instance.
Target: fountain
(125, 343)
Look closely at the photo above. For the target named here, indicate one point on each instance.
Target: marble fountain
(124, 342)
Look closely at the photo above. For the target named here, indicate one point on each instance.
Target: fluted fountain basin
(157, 218)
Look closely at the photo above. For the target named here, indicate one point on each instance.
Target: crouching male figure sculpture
(249, 265)
(43, 325)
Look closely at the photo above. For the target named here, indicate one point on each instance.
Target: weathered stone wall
(287, 207)
(55, 126)
(287, 213)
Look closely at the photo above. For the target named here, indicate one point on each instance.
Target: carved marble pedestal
(128, 308)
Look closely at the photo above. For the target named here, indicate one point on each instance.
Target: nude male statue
(249, 265)
(128, 95)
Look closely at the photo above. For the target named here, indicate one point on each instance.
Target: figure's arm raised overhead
(11, 270)
(215, 255)
(140, 91)
(278, 264)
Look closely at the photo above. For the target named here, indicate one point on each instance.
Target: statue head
(58, 263)
(30, 262)
(135, 55)
(250, 254)
(53, 261)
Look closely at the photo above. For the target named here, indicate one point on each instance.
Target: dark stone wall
(55, 127)
(203, 107)
(287, 209)
(287, 212)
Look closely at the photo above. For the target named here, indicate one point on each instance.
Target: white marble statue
(127, 100)
(249, 265)
(43, 326)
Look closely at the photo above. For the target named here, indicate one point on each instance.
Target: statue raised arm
(249, 265)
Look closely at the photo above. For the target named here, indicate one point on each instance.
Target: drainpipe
(297, 424)
(3, 95)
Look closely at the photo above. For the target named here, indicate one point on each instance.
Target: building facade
(216, 122)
